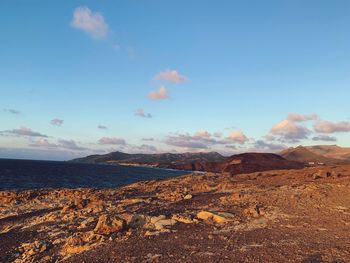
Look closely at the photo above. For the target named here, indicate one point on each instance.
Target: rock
(81, 203)
(151, 233)
(184, 219)
(155, 219)
(86, 223)
(66, 208)
(96, 206)
(41, 246)
(135, 220)
(234, 197)
(153, 258)
(127, 202)
(107, 225)
(80, 242)
(161, 223)
(218, 217)
(31, 249)
(187, 197)
(255, 211)
(316, 176)
(164, 223)
(321, 174)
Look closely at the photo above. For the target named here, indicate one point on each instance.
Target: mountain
(210, 162)
(165, 160)
(331, 151)
(244, 163)
(315, 154)
(292, 158)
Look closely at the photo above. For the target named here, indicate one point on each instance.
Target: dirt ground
(275, 216)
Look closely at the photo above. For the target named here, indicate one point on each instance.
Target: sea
(29, 174)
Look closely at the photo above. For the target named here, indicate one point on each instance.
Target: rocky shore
(274, 216)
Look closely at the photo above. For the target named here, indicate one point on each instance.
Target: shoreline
(195, 217)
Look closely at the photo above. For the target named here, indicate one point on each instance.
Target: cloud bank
(111, 141)
(24, 131)
(204, 140)
(332, 127)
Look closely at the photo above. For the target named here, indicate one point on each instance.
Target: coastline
(248, 216)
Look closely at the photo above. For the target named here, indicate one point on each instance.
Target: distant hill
(165, 160)
(244, 163)
(292, 158)
(331, 151)
(316, 154)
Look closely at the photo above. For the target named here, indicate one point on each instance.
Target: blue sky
(157, 76)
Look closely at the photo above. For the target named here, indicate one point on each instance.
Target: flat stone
(187, 197)
(164, 223)
(184, 219)
(218, 217)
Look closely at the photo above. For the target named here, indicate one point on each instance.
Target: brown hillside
(244, 163)
(305, 155)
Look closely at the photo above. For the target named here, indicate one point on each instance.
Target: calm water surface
(28, 174)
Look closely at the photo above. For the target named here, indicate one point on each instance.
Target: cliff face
(243, 163)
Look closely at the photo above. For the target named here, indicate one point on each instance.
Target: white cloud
(217, 134)
(92, 23)
(171, 76)
(111, 141)
(57, 122)
(61, 144)
(161, 94)
(289, 131)
(262, 145)
(325, 138)
(204, 140)
(141, 113)
(237, 137)
(203, 134)
(295, 117)
(188, 141)
(71, 145)
(23, 131)
(144, 148)
(332, 127)
(43, 143)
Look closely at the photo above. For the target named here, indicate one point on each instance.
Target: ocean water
(28, 174)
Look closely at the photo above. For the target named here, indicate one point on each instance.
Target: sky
(153, 76)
